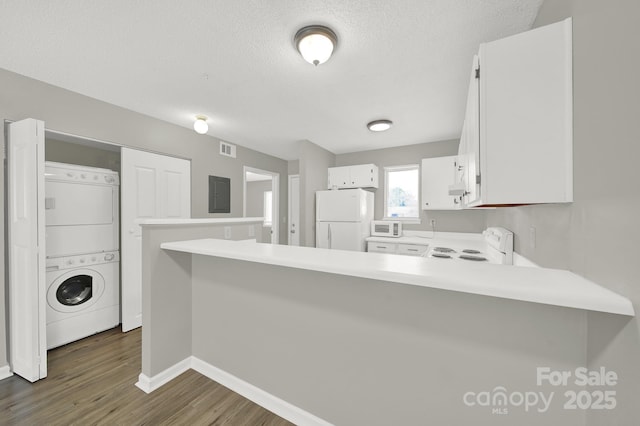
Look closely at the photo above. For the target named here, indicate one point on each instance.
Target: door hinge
(478, 179)
(478, 72)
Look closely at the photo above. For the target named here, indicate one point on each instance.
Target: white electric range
(494, 246)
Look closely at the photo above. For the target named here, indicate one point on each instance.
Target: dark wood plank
(91, 382)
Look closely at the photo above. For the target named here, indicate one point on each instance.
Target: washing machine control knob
(108, 257)
(70, 262)
(83, 176)
(93, 258)
(82, 260)
(69, 174)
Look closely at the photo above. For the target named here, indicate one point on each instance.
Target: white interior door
(152, 186)
(26, 231)
(294, 210)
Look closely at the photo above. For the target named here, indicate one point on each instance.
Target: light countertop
(537, 285)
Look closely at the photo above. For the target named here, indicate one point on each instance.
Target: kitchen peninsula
(323, 336)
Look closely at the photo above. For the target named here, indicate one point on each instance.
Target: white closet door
(27, 285)
(152, 186)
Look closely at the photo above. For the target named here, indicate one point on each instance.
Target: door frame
(290, 207)
(275, 191)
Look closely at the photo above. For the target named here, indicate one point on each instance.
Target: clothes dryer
(81, 209)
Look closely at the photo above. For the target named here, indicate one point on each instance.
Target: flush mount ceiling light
(316, 43)
(200, 125)
(380, 125)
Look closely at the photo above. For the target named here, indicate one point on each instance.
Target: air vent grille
(227, 149)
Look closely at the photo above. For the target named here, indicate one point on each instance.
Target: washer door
(75, 290)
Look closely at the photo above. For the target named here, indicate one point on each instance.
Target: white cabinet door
(469, 152)
(339, 177)
(364, 176)
(152, 186)
(26, 234)
(357, 176)
(517, 142)
(437, 175)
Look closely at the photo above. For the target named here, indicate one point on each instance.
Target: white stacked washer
(82, 246)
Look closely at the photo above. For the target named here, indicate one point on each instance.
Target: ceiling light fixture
(380, 125)
(200, 125)
(316, 43)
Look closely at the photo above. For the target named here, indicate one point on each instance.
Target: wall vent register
(227, 149)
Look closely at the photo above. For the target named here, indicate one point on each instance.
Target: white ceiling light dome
(380, 125)
(200, 125)
(316, 43)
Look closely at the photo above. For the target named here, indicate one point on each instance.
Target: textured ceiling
(234, 61)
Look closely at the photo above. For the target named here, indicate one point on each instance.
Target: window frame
(268, 213)
(405, 167)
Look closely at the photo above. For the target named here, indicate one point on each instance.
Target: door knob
(293, 231)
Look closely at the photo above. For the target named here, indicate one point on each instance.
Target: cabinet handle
(412, 249)
(382, 247)
(426, 204)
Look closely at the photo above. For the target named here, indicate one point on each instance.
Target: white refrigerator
(343, 219)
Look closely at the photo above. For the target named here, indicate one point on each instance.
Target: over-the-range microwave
(386, 228)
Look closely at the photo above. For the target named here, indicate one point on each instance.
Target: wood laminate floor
(91, 382)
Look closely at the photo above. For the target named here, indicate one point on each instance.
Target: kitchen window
(401, 189)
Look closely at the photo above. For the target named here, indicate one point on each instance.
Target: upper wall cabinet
(516, 143)
(359, 176)
(438, 174)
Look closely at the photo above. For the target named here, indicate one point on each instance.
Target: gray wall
(598, 235)
(255, 197)
(69, 112)
(166, 290)
(456, 221)
(313, 163)
(72, 153)
(363, 352)
(293, 167)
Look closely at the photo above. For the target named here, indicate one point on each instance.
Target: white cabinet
(358, 176)
(376, 247)
(438, 174)
(392, 248)
(516, 144)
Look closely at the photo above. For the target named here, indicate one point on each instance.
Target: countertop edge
(599, 299)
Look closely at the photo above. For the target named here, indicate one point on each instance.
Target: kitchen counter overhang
(537, 285)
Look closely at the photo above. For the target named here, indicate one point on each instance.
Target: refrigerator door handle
(329, 234)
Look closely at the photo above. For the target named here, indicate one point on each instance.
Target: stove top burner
(471, 251)
(444, 250)
(474, 258)
(440, 255)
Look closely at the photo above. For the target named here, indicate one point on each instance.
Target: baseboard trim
(5, 372)
(149, 384)
(264, 399)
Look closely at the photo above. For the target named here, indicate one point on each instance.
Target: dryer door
(75, 290)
